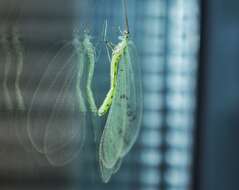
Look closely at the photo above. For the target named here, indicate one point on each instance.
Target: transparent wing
(106, 173)
(56, 127)
(134, 98)
(44, 96)
(112, 137)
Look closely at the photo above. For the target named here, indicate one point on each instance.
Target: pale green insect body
(90, 54)
(79, 49)
(117, 55)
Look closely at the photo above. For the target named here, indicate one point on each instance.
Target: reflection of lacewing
(13, 50)
(13, 53)
(90, 54)
(6, 49)
(124, 118)
(19, 58)
(60, 135)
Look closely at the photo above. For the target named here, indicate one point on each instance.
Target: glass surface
(36, 47)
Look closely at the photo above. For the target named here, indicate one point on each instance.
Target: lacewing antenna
(126, 15)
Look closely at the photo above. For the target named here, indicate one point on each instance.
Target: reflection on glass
(166, 37)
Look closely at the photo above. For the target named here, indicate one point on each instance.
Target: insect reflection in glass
(57, 116)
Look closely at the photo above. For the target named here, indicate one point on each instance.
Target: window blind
(166, 34)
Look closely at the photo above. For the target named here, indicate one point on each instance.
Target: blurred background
(187, 50)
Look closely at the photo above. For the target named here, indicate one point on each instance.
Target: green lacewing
(125, 113)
